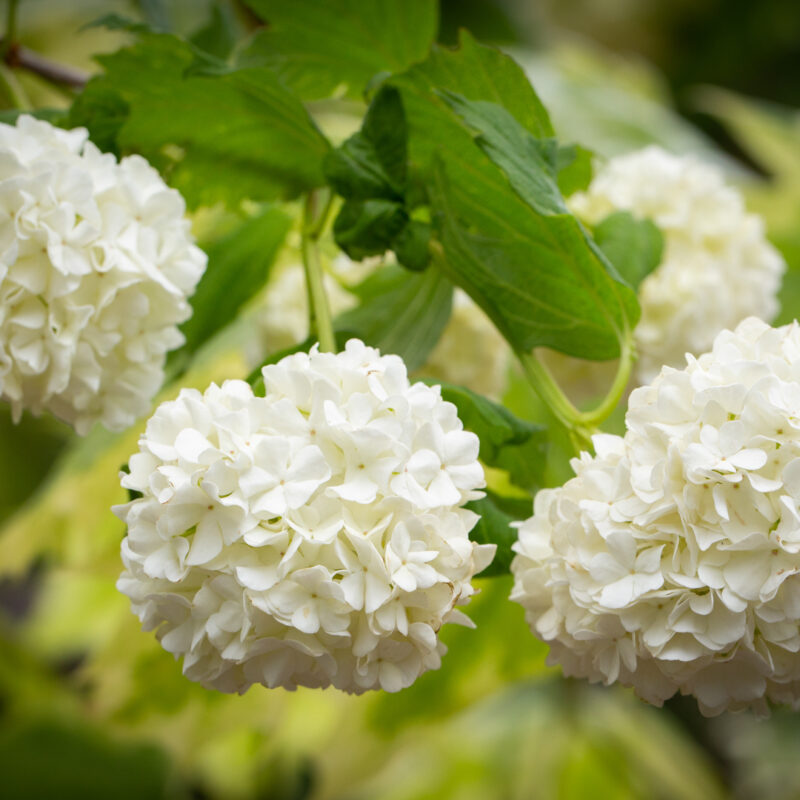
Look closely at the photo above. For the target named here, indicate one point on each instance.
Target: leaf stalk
(315, 215)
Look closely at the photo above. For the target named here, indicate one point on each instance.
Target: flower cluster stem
(580, 424)
(315, 215)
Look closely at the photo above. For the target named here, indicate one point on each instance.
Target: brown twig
(62, 74)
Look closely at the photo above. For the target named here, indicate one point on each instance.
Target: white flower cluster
(311, 537)
(717, 267)
(672, 560)
(96, 264)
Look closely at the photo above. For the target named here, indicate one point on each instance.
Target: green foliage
(218, 36)
(633, 246)
(367, 227)
(318, 48)
(527, 262)
(219, 135)
(494, 527)
(73, 761)
(370, 171)
(564, 294)
(238, 267)
(372, 162)
(574, 166)
(400, 313)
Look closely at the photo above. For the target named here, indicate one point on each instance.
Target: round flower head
(314, 536)
(717, 267)
(672, 560)
(96, 264)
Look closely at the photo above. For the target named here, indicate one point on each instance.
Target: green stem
(580, 424)
(319, 312)
(10, 37)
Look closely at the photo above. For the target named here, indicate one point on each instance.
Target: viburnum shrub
(319, 521)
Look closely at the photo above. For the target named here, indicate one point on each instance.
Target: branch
(62, 74)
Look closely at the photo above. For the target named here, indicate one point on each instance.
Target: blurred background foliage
(91, 707)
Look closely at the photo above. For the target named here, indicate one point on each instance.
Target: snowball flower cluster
(314, 536)
(717, 266)
(96, 264)
(672, 560)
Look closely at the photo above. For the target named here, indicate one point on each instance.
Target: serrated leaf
(527, 262)
(368, 227)
(401, 312)
(319, 47)
(539, 277)
(494, 527)
(633, 246)
(223, 137)
(238, 266)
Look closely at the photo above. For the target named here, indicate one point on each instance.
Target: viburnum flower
(314, 536)
(96, 265)
(671, 562)
(717, 266)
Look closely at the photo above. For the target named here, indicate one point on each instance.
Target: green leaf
(386, 129)
(536, 277)
(319, 47)
(218, 35)
(219, 137)
(539, 277)
(494, 527)
(401, 312)
(527, 463)
(633, 246)
(238, 266)
(574, 164)
(529, 163)
(478, 73)
(368, 227)
(372, 162)
(102, 110)
(412, 245)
